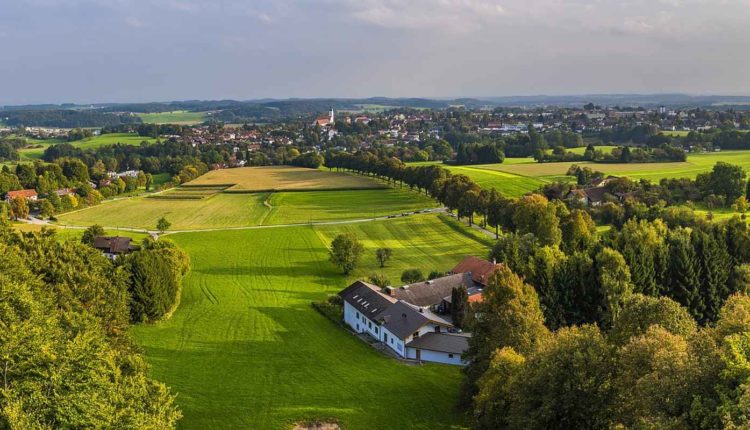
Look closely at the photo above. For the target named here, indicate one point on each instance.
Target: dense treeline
(624, 154)
(478, 154)
(171, 156)
(66, 118)
(65, 356)
(653, 367)
(9, 148)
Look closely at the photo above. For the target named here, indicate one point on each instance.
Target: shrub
(410, 276)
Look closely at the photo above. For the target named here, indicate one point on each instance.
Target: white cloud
(134, 22)
(451, 15)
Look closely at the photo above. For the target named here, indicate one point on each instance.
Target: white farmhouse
(414, 320)
(409, 330)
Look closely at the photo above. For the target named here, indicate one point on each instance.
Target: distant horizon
(436, 98)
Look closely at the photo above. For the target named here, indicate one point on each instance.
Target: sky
(86, 51)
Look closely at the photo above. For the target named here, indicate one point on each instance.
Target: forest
(65, 118)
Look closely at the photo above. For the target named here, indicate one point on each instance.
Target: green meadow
(182, 117)
(111, 139)
(246, 350)
(227, 210)
(36, 147)
(517, 176)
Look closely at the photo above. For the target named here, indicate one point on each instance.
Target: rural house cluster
(414, 320)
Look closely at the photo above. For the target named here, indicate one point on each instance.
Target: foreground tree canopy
(654, 368)
(65, 356)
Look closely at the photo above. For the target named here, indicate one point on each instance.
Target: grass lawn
(284, 178)
(36, 147)
(507, 183)
(32, 153)
(675, 133)
(246, 350)
(248, 209)
(607, 149)
(111, 139)
(222, 210)
(297, 207)
(175, 117)
(525, 171)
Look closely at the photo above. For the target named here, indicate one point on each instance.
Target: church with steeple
(325, 120)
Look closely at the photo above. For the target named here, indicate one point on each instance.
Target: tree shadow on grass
(311, 367)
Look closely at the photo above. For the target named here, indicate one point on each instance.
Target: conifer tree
(684, 273)
(715, 264)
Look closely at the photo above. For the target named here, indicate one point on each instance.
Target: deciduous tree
(345, 252)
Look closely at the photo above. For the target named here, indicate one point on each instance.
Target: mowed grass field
(509, 184)
(36, 147)
(111, 139)
(284, 178)
(181, 117)
(517, 176)
(246, 350)
(227, 210)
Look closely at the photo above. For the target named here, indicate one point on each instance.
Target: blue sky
(148, 50)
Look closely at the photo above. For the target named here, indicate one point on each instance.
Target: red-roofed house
(27, 194)
(480, 269)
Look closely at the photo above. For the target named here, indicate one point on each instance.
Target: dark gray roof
(452, 343)
(403, 319)
(366, 298)
(596, 194)
(113, 244)
(429, 293)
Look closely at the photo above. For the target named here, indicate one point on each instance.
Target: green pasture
(607, 149)
(246, 350)
(182, 117)
(675, 133)
(284, 178)
(220, 210)
(516, 176)
(111, 139)
(36, 147)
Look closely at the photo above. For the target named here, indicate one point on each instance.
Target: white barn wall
(436, 357)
